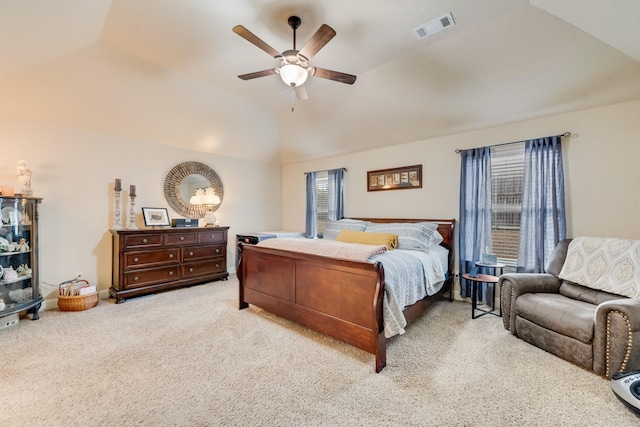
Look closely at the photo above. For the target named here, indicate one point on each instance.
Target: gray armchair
(595, 330)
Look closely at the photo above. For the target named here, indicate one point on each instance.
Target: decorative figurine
(24, 270)
(23, 246)
(9, 273)
(24, 176)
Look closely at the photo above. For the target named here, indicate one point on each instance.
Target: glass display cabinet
(19, 291)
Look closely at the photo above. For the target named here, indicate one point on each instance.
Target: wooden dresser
(157, 259)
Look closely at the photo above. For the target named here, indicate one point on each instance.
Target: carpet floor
(189, 357)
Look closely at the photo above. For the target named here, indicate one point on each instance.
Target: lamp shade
(211, 199)
(293, 75)
(205, 196)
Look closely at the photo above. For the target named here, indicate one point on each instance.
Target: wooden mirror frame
(172, 188)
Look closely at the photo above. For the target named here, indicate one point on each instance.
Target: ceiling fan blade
(334, 75)
(301, 93)
(324, 34)
(257, 74)
(252, 38)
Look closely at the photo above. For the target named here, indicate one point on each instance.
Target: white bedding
(435, 266)
(409, 277)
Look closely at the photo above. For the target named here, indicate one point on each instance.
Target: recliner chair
(596, 330)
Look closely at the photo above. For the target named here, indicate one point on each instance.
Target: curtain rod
(566, 135)
(324, 170)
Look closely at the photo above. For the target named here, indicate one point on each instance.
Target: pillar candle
(132, 190)
(118, 186)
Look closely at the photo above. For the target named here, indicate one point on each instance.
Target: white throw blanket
(327, 248)
(610, 265)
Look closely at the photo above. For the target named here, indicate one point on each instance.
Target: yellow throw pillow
(368, 238)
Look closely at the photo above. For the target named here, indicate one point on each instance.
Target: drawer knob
(135, 279)
(181, 237)
(170, 255)
(217, 250)
(171, 273)
(136, 259)
(144, 240)
(190, 269)
(190, 253)
(217, 265)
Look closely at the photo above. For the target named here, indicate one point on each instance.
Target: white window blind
(322, 200)
(507, 180)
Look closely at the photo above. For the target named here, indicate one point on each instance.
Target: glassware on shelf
(19, 289)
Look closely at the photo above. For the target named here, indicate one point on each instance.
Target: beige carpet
(190, 358)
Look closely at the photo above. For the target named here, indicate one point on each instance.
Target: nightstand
(481, 278)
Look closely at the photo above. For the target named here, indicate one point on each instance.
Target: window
(325, 200)
(507, 180)
(322, 201)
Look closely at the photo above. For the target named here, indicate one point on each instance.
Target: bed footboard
(341, 299)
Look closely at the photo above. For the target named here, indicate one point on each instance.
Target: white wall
(74, 173)
(600, 163)
(75, 169)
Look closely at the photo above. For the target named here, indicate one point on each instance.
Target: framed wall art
(395, 178)
(155, 217)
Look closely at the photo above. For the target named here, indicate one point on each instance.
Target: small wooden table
(481, 278)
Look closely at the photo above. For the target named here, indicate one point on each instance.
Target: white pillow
(335, 227)
(411, 235)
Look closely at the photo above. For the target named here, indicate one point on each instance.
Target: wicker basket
(77, 303)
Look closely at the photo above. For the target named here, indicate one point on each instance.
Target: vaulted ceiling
(165, 71)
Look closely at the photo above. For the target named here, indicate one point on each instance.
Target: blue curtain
(542, 219)
(475, 214)
(336, 194)
(311, 226)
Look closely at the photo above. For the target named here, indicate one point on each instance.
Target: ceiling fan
(294, 64)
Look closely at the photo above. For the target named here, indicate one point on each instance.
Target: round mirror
(191, 183)
(181, 183)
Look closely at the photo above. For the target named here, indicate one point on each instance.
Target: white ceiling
(164, 71)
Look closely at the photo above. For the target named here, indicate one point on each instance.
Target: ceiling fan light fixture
(293, 75)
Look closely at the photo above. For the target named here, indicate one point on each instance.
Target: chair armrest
(616, 341)
(515, 284)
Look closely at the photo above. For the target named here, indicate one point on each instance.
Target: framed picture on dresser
(155, 216)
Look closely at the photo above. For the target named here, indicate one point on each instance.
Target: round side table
(481, 278)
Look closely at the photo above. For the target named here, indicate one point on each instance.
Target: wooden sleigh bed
(339, 298)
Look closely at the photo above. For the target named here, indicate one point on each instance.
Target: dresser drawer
(174, 239)
(142, 241)
(134, 260)
(204, 268)
(202, 252)
(213, 236)
(148, 277)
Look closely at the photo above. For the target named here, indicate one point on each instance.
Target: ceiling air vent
(434, 26)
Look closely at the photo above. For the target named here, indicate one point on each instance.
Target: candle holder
(132, 213)
(116, 210)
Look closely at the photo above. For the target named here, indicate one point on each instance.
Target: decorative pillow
(366, 238)
(411, 235)
(335, 227)
(608, 264)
